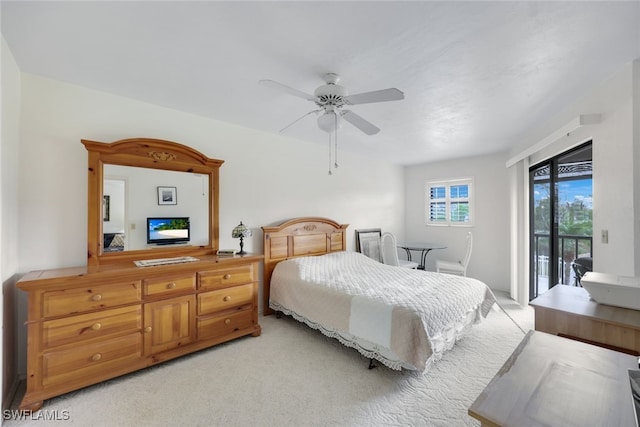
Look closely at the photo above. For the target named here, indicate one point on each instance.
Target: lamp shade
(241, 230)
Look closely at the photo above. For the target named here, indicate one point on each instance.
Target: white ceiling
(477, 76)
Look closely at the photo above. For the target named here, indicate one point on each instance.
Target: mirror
(133, 180)
(132, 194)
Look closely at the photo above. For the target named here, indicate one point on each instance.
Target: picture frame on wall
(368, 243)
(167, 196)
(106, 208)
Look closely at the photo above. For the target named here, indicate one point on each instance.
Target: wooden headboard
(299, 237)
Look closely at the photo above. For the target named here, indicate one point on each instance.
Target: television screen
(166, 231)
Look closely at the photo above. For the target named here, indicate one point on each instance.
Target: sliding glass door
(541, 206)
(561, 207)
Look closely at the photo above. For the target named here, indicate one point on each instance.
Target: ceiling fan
(331, 98)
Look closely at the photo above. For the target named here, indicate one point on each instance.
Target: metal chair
(580, 266)
(457, 267)
(389, 249)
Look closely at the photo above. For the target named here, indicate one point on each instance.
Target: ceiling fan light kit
(329, 121)
(331, 98)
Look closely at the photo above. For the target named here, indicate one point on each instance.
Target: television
(167, 230)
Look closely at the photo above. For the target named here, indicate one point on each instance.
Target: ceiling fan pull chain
(335, 137)
(330, 155)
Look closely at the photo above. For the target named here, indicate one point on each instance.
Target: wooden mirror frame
(152, 154)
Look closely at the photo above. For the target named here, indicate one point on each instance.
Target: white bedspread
(402, 317)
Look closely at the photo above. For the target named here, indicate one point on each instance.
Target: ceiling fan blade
(284, 88)
(297, 120)
(360, 123)
(391, 94)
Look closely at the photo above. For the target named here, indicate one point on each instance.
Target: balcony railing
(570, 247)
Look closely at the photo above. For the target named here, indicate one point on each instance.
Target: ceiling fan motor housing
(331, 94)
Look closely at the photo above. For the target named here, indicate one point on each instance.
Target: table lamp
(241, 231)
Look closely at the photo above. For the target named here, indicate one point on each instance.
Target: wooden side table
(554, 381)
(568, 311)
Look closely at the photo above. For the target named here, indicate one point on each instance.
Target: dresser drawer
(211, 302)
(225, 277)
(93, 325)
(224, 325)
(169, 285)
(83, 362)
(70, 301)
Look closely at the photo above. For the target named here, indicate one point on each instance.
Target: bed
(403, 318)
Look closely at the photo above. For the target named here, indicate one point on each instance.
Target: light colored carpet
(294, 376)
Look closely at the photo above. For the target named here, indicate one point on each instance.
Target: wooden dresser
(90, 324)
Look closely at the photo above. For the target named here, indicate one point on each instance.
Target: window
(449, 202)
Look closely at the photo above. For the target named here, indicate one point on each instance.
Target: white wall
(265, 179)
(635, 117)
(615, 208)
(490, 256)
(10, 94)
(616, 171)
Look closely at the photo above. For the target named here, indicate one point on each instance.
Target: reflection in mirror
(113, 214)
(133, 196)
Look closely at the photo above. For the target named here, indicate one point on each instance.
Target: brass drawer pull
(227, 321)
(226, 298)
(96, 326)
(96, 357)
(227, 276)
(171, 285)
(148, 329)
(96, 297)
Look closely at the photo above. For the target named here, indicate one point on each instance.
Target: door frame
(552, 163)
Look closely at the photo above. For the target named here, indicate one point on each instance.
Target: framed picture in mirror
(167, 196)
(105, 207)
